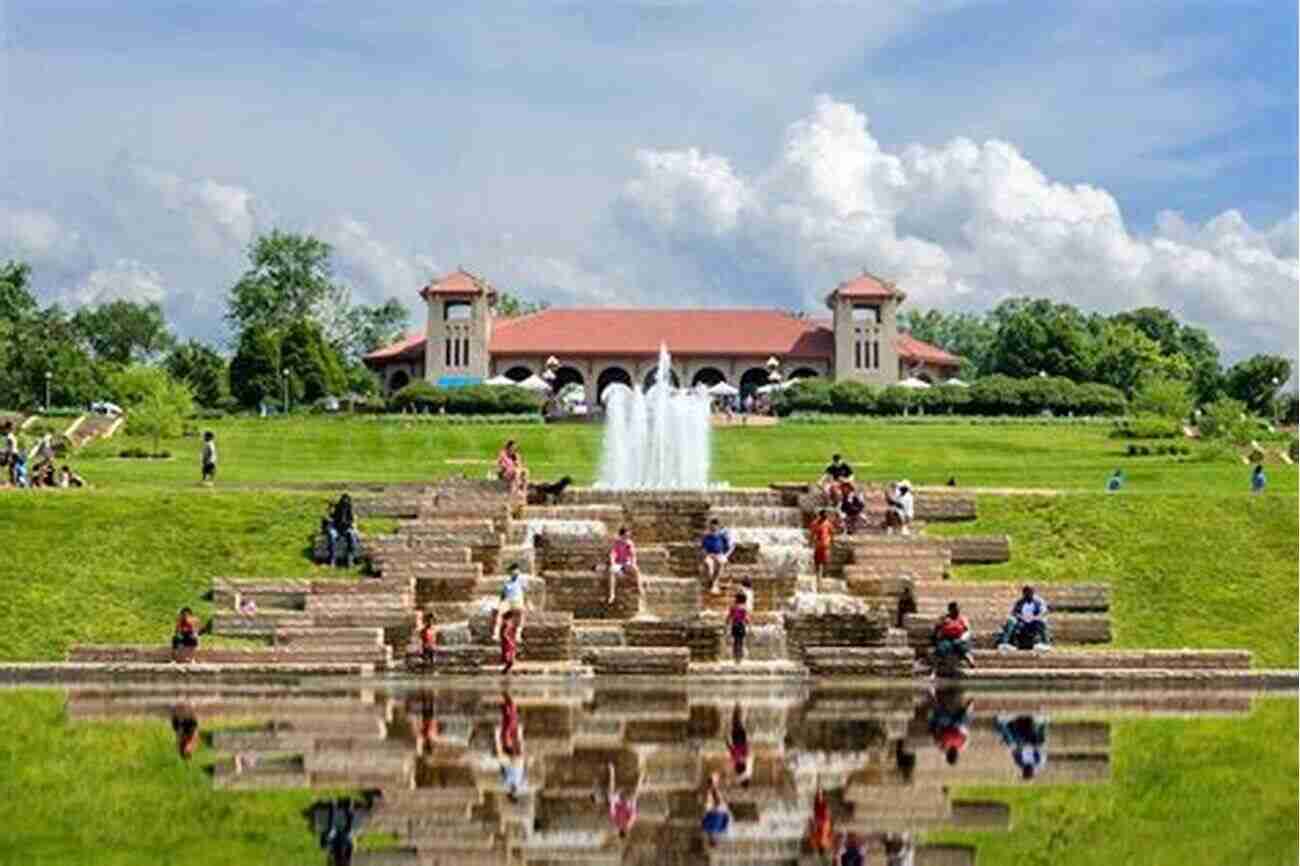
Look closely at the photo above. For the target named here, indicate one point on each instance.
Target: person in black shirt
(341, 524)
(837, 474)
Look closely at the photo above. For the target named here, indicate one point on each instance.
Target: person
(342, 524)
(623, 810)
(1026, 627)
(1257, 479)
(738, 620)
(186, 727)
(747, 590)
(45, 450)
(952, 481)
(208, 457)
(822, 532)
(952, 637)
(43, 474)
(1026, 736)
(853, 506)
(509, 642)
(848, 852)
(185, 639)
(68, 478)
(1115, 482)
(717, 546)
(423, 721)
(10, 447)
(18, 470)
(949, 722)
(742, 757)
(833, 476)
(509, 743)
(717, 814)
(899, 849)
(511, 601)
(339, 836)
(821, 835)
(428, 640)
(247, 608)
(622, 560)
(898, 514)
(906, 605)
(511, 469)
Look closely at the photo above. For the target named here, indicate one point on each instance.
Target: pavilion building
(465, 342)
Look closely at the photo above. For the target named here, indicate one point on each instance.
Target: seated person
(898, 514)
(622, 560)
(1026, 628)
(952, 637)
(185, 639)
(341, 524)
(510, 468)
(717, 547)
(1026, 736)
(833, 476)
(852, 507)
(717, 814)
(68, 478)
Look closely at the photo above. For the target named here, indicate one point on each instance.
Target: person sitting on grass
(342, 524)
(738, 749)
(511, 469)
(717, 546)
(717, 814)
(852, 508)
(821, 533)
(833, 476)
(68, 478)
(185, 639)
(509, 745)
(623, 810)
(1026, 628)
(1115, 481)
(10, 446)
(952, 638)
(1257, 479)
(511, 601)
(1026, 736)
(622, 561)
(738, 620)
(509, 642)
(43, 474)
(208, 458)
(898, 514)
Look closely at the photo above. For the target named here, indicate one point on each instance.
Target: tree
(1037, 335)
(1256, 380)
(201, 369)
(16, 300)
(510, 306)
(314, 367)
(968, 335)
(255, 368)
(1163, 396)
(1176, 339)
(367, 328)
(1126, 357)
(1225, 419)
(289, 279)
(156, 404)
(123, 331)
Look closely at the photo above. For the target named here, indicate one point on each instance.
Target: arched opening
(398, 381)
(518, 374)
(567, 376)
(804, 373)
(653, 374)
(753, 379)
(708, 377)
(609, 376)
(924, 377)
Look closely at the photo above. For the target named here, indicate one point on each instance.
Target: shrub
(63, 412)
(1225, 418)
(419, 397)
(1147, 427)
(1163, 397)
(471, 400)
(807, 395)
(143, 454)
(1094, 398)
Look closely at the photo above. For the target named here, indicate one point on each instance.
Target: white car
(105, 408)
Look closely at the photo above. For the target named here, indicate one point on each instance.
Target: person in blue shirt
(1026, 736)
(717, 546)
(1257, 479)
(1027, 625)
(1115, 482)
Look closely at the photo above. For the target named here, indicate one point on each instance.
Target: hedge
(1147, 427)
(532, 418)
(470, 400)
(993, 395)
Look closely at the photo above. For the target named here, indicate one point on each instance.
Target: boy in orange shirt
(822, 531)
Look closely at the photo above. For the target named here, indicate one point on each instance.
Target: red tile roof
(459, 282)
(913, 349)
(606, 331)
(409, 348)
(866, 287)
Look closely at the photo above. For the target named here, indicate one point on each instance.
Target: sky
(664, 152)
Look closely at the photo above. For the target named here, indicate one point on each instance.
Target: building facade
(464, 342)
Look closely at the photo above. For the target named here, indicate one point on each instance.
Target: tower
(459, 330)
(865, 315)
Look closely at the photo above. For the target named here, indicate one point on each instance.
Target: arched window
(753, 379)
(708, 377)
(398, 381)
(609, 376)
(565, 376)
(518, 374)
(653, 374)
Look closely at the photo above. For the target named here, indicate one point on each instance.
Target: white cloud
(219, 215)
(968, 224)
(377, 268)
(124, 280)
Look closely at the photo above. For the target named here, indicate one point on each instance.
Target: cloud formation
(963, 224)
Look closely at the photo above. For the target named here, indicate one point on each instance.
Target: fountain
(656, 438)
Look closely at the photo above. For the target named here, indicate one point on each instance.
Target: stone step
(995, 766)
(376, 603)
(270, 592)
(74, 672)
(670, 597)
(1064, 658)
(378, 656)
(585, 594)
(979, 549)
(1067, 628)
(1078, 597)
(659, 661)
(340, 637)
(748, 669)
(838, 661)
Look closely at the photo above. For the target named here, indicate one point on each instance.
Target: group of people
(36, 469)
(843, 494)
(1026, 628)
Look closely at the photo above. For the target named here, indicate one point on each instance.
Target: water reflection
(624, 774)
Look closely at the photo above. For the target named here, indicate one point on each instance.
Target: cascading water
(656, 439)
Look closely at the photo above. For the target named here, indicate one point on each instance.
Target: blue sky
(665, 152)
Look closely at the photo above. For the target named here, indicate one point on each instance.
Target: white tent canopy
(775, 386)
(535, 383)
(500, 380)
(913, 382)
(722, 389)
(955, 381)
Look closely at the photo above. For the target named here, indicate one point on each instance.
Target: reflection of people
(509, 743)
(420, 717)
(622, 808)
(849, 851)
(742, 757)
(821, 837)
(949, 722)
(717, 814)
(1026, 736)
(186, 728)
(339, 822)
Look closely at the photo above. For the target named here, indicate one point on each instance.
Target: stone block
(978, 549)
(840, 661)
(658, 661)
(584, 594)
(835, 630)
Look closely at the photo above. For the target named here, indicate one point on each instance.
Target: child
(747, 589)
(185, 640)
(209, 457)
(622, 560)
(821, 837)
(738, 618)
(68, 478)
(509, 641)
(428, 641)
(511, 600)
(822, 531)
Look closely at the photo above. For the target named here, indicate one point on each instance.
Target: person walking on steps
(738, 621)
(822, 533)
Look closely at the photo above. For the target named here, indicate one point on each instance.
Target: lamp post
(1273, 401)
(48, 377)
(284, 383)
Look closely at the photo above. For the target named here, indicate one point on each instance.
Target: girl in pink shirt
(622, 561)
(622, 808)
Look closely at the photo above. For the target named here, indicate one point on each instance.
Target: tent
(722, 389)
(954, 381)
(572, 393)
(535, 383)
(913, 382)
(775, 386)
(501, 380)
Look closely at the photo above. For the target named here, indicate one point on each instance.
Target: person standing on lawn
(208, 457)
(1257, 479)
(717, 546)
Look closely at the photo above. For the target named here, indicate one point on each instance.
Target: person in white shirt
(512, 599)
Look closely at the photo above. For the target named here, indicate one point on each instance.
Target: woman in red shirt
(185, 639)
(952, 637)
(821, 836)
(822, 531)
(509, 641)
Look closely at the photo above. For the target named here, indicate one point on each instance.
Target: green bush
(1147, 427)
(471, 400)
(63, 412)
(143, 454)
(990, 396)
(418, 397)
(1226, 419)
